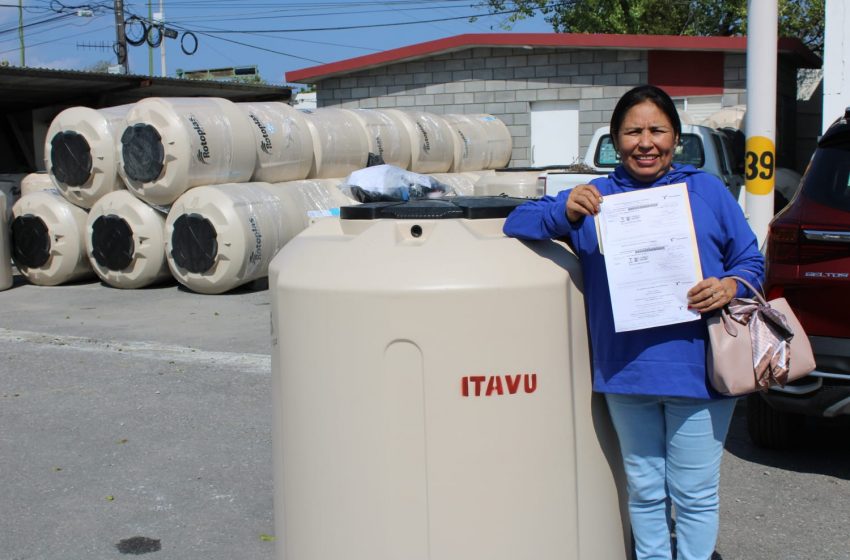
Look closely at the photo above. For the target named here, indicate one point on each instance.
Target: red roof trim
(573, 40)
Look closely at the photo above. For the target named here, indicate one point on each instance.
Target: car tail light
(794, 243)
(775, 292)
(783, 243)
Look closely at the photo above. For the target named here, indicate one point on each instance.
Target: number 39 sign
(759, 165)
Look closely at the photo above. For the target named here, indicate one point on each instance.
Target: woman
(671, 424)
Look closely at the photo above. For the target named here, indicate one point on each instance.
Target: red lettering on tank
(477, 380)
(513, 383)
(496, 385)
(530, 382)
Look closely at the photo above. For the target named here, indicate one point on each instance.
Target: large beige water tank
(282, 140)
(173, 144)
(48, 239)
(340, 142)
(432, 393)
(81, 152)
(125, 241)
(431, 140)
(388, 137)
(6, 278)
(520, 184)
(35, 182)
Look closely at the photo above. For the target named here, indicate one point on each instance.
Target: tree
(797, 18)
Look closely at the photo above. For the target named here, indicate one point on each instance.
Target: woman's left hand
(711, 294)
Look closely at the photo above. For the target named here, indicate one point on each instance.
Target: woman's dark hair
(638, 95)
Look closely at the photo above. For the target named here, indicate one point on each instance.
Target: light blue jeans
(671, 449)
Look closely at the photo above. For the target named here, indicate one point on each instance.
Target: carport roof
(803, 57)
(31, 88)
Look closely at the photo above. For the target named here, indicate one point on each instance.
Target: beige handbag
(756, 344)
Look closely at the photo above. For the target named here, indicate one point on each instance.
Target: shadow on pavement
(820, 448)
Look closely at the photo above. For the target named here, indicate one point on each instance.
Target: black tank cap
(70, 158)
(193, 243)
(112, 242)
(143, 153)
(30, 241)
(467, 207)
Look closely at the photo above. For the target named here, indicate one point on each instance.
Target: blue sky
(76, 35)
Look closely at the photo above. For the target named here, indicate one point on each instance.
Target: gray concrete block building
(553, 90)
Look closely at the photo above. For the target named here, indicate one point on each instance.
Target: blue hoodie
(668, 360)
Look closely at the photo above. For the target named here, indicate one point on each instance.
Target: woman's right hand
(583, 200)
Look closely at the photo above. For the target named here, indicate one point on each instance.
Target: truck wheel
(768, 427)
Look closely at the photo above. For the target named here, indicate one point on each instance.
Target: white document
(649, 244)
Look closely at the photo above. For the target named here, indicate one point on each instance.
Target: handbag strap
(758, 295)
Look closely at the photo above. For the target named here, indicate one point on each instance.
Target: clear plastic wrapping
(340, 142)
(283, 143)
(471, 144)
(388, 138)
(431, 140)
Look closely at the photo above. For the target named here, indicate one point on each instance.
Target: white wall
(836, 61)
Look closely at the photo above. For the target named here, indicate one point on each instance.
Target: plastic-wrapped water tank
(388, 137)
(284, 146)
(303, 202)
(125, 241)
(520, 184)
(499, 142)
(81, 152)
(5, 245)
(431, 140)
(48, 239)
(462, 183)
(35, 182)
(223, 236)
(421, 408)
(340, 142)
(471, 144)
(173, 144)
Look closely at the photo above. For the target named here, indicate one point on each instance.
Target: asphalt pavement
(138, 422)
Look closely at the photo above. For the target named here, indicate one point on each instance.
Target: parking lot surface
(139, 422)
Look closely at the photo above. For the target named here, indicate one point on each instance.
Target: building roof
(31, 88)
(803, 57)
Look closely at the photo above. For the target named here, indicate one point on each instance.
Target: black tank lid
(30, 241)
(143, 153)
(112, 242)
(70, 158)
(193, 243)
(468, 207)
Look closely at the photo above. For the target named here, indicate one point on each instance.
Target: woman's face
(646, 141)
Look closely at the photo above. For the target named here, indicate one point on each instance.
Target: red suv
(808, 263)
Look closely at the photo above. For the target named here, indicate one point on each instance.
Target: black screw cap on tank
(112, 242)
(194, 244)
(70, 158)
(30, 241)
(143, 152)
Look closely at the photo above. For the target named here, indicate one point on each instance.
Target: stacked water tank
(205, 190)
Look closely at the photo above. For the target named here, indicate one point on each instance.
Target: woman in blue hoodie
(670, 422)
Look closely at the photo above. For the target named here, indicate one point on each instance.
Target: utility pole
(760, 161)
(150, 48)
(162, 45)
(21, 32)
(120, 38)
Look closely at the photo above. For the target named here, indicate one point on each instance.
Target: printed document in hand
(649, 244)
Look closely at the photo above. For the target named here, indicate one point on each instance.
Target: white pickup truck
(700, 146)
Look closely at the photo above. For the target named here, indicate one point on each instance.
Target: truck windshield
(689, 151)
